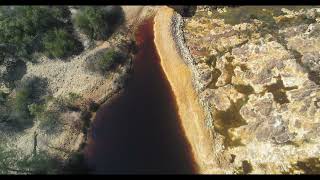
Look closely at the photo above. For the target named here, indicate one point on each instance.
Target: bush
(105, 61)
(19, 115)
(12, 162)
(41, 163)
(3, 107)
(49, 120)
(49, 117)
(66, 103)
(15, 69)
(36, 88)
(60, 44)
(62, 13)
(23, 27)
(76, 164)
(99, 22)
(3, 97)
(73, 97)
(29, 91)
(7, 159)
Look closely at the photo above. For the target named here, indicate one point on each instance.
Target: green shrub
(29, 91)
(36, 88)
(62, 13)
(4, 110)
(12, 162)
(36, 109)
(3, 97)
(22, 100)
(23, 28)
(15, 69)
(7, 159)
(73, 97)
(76, 164)
(93, 106)
(65, 103)
(49, 117)
(103, 62)
(99, 22)
(42, 163)
(60, 44)
(49, 120)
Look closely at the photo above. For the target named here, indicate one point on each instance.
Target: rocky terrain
(246, 81)
(256, 71)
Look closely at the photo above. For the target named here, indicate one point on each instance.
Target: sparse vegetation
(244, 14)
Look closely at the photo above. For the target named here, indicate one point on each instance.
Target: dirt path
(134, 15)
(180, 78)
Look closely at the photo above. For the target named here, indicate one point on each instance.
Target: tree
(99, 22)
(28, 91)
(20, 27)
(59, 43)
(24, 27)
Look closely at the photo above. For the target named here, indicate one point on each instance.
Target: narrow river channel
(139, 132)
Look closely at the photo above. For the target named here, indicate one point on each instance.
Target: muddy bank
(180, 77)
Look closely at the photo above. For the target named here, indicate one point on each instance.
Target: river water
(139, 132)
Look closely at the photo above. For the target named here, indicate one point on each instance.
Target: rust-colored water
(139, 131)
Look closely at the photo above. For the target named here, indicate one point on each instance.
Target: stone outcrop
(258, 83)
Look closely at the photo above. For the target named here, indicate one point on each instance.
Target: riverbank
(70, 82)
(139, 131)
(180, 77)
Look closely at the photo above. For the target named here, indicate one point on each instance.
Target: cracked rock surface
(260, 67)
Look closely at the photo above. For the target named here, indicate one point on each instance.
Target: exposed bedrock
(258, 83)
